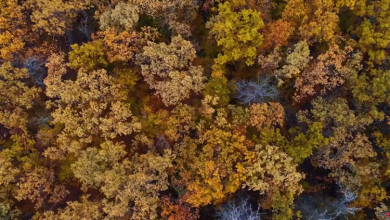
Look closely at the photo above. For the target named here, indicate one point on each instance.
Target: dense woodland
(194, 109)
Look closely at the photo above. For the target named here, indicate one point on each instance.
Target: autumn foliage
(185, 110)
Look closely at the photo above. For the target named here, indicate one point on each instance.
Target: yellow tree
(370, 90)
(296, 62)
(89, 56)
(317, 20)
(212, 166)
(374, 30)
(40, 186)
(274, 173)
(12, 29)
(16, 97)
(123, 46)
(123, 17)
(90, 108)
(83, 209)
(126, 184)
(238, 33)
(319, 74)
(8, 179)
(168, 70)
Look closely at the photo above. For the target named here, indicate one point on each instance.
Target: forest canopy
(194, 109)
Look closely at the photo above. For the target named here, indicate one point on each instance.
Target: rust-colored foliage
(177, 210)
(277, 33)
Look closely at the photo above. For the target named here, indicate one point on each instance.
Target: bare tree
(240, 210)
(36, 69)
(249, 92)
(83, 27)
(318, 208)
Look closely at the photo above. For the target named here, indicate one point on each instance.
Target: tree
(347, 146)
(178, 122)
(215, 171)
(8, 171)
(7, 212)
(296, 62)
(92, 164)
(218, 86)
(90, 108)
(123, 17)
(83, 209)
(126, 184)
(177, 14)
(168, 70)
(120, 46)
(12, 29)
(370, 90)
(238, 210)
(380, 210)
(237, 33)
(320, 74)
(212, 166)
(54, 16)
(334, 113)
(315, 21)
(178, 210)
(324, 208)
(266, 115)
(8, 177)
(276, 34)
(40, 186)
(269, 63)
(273, 172)
(89, 56)
(16, 97)
(302, 144)
(327, 72)
(9, 174)
(8, 209)
(249, 92)
(373, 31)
